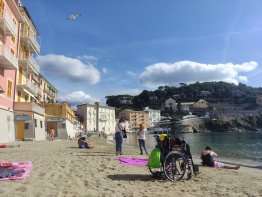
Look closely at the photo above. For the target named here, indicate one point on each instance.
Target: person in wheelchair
(207, 157)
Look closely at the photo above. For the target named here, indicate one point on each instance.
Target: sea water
(239, 148)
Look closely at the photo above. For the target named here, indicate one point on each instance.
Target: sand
(61, 169)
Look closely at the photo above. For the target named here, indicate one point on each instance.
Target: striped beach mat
(15, 170)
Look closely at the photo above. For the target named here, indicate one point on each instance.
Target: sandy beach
(61, 169)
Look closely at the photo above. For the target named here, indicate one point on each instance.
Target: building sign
(55, 120)
(22, 117)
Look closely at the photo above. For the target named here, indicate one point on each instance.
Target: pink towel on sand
(23, 167)
(133, 161)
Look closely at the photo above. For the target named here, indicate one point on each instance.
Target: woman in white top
(142, 139)
(119, 136)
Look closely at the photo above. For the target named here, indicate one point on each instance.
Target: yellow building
(135, 118)
(61, 118)
(47, 91)
(28, 68)
(29, 115)
(200, 104)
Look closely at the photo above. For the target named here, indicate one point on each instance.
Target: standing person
(119, 136)
(207, 157)
(52, 134)
(142, 139)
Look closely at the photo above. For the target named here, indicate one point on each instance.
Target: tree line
(214, 92)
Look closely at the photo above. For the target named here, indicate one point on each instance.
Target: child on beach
(52, 134)
(207, 160)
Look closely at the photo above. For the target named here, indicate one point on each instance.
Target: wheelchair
(175, 159)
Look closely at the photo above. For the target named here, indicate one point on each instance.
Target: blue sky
(126, 46)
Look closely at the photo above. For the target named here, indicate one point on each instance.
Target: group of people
(207, 155)
(120, 126)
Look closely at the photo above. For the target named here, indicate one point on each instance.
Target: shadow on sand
(131, 177)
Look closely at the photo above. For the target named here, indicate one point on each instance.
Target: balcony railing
(32, 63)
(7, 24)
(7, 59)
(28, 85)
(29, 106)
(31, 40)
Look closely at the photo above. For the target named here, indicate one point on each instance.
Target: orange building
(61, 117)
(135, 118)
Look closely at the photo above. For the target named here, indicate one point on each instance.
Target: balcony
(7, 59)
(7, 24)
(31, 62)
(29, 106)
(30, 40)
(28, 85)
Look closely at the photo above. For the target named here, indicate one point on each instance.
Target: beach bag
(154, 159)
(124, 133)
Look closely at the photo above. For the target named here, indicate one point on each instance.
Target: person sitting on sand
(207, 160)
(8, 146)
(83, 143)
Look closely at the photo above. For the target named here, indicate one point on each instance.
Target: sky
(127, 46)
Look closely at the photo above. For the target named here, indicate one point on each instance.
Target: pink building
(10, 19)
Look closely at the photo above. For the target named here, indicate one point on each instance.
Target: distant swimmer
(73, 16)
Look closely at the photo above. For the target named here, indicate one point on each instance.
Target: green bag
(154, 159)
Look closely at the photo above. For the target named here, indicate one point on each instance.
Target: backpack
(154, 159)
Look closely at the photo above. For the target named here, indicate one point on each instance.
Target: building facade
(60, 117)
(154, 117)
(10, 19)
(135, 118)
(29, 115)
(47, 91)
(97, 117)
(259, 101)
(170, 105)
(29, 121)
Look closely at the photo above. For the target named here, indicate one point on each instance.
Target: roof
(30, 18)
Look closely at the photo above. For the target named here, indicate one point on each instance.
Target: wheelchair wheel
(174, 166)
(154, 171)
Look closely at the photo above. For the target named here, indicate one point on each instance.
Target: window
(35, 122)
(26, 125)
(9, 88)
(41, 124)
(12, 51)
(13, 39)
(19, 96)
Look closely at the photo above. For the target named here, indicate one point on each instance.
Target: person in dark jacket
(207, 157)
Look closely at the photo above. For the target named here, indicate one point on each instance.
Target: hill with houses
(229, 107)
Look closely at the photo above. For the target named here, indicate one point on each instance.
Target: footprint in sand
(21, 189)
(42, 174)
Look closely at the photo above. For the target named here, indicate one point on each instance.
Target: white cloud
(88, 59)
(104, 70)
(190, 72)
(72, 69)
(130, 91)
(77, 97)
(131, 73)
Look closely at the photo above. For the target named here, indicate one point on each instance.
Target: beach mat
(132, 161)
(15, 170)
